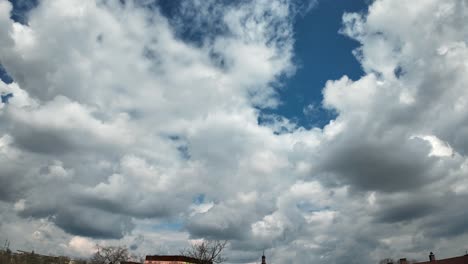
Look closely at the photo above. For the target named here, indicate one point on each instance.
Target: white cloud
(82, 246)
(439, 148)
(118, 124)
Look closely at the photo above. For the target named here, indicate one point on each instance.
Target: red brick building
(433, 260)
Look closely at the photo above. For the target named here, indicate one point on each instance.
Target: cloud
(93, 223)
(82, 246)
(123, 117)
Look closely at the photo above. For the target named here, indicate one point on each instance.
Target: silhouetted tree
(110, 255)
(387, 261)
(207, 251)
(391, 260)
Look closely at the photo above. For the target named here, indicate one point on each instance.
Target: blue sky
(4, 75)
(319, 48)
(158, 124)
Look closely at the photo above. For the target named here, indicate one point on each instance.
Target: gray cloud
(448, 221)
(134, 131)
(407, 210)
(93, 223)
(374, 164)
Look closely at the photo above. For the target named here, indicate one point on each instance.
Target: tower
(263, 258)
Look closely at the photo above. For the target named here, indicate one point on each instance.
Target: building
(162, 259)
(9, 257)
(433, 260)
(263, 258)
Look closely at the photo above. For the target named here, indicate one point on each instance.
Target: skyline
(322, 131)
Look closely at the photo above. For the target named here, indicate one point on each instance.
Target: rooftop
(455, 260)
(176, 258)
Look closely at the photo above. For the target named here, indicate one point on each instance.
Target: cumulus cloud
(134, 127)
(82, 246)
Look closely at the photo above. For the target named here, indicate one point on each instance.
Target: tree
(391, 260)
(110, 255)
(387, 261)
(209, 251)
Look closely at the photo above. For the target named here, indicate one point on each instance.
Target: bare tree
(137, 258)
(209, 251)
(110, 255)
(387, 261)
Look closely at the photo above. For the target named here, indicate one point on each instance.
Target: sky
(320, 131)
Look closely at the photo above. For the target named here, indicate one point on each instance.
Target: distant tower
(263, 258)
